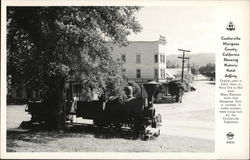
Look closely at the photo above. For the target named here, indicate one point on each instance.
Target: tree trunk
(56, 106)
(59, 112)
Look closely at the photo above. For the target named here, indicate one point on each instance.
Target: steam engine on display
(135, 113)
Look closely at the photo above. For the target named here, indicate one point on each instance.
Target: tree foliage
(172, 64)
(48, 45)
(208, 70)
(195, 70)
(188, 78)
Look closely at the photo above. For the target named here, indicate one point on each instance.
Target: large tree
(208, 70)
(48, 46)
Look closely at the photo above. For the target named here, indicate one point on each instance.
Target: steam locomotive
(136, 113)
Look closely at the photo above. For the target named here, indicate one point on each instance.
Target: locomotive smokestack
(150, 88)
(129, 91)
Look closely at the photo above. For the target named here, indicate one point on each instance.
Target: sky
(184, 27)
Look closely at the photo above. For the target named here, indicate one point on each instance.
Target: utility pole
(183, 60)
(188, 65)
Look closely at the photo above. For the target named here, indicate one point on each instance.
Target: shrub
(188, 78)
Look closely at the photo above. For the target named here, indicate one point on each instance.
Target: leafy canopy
(47, 46)
(208, 70)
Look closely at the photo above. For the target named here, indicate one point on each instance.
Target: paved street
(194, 117)
(15, 115)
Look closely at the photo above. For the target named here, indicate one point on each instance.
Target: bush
(188, 78)
(208, 70)
(186, 85)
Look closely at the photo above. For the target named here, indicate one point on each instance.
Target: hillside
(199, 59)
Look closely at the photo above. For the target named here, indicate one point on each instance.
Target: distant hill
(199, 59)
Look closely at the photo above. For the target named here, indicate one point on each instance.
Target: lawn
(86, 138)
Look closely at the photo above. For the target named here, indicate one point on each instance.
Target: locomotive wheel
(145, 137)
(158, 134)
(33, 118)
(118, 125)
(100, 123)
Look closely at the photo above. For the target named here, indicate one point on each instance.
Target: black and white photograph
(117, 79)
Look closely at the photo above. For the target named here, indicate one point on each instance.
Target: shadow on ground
(105, 132)
(13, 136)
(83, 138)
(39, 134)
(211, 82)
(32, 132)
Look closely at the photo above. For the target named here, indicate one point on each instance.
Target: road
(194, 117)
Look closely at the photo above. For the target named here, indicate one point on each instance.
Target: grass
(86, 138)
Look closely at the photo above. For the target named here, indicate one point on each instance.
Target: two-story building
(143, 60)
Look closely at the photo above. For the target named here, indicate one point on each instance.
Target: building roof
(160, 40)
(175, 71)
(169, 75)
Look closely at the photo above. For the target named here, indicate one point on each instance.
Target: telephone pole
(183, 60)
(188, 65)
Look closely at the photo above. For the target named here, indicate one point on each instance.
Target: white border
(107, 155)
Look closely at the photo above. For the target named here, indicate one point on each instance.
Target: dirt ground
(187, 127)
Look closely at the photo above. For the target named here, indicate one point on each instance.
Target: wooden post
(183, 60)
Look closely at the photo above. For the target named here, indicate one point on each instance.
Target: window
(162, 58)
(156, 73)
(162, 72)
(138, 58)
(156, 58)
(138, 73)
(123, 58)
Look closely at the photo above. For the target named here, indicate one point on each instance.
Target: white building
(143, 60)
